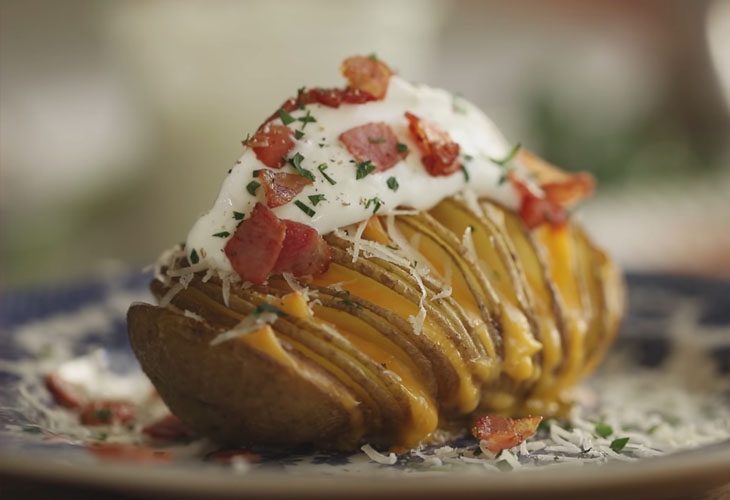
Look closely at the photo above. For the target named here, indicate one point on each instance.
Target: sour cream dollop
(346, 201)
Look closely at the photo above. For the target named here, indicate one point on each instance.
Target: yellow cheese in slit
(519, 343)
(265, 341)
(467, 396)
(424, 415)
(552, 353)
(560, 258)
(295, 305)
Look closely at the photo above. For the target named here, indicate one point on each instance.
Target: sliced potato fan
(423, 319)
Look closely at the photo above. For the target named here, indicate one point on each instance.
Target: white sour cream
(345, 202)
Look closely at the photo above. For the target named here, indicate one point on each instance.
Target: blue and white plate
(665, 387)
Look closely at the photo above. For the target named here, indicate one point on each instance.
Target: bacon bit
(65, 393)
(255, 246)
(367, 74)
(440, 152)
(501, 433)
(560, 187)
(375, 142)
(107, 413)
(272, 143)
(169, 428)
(128, 453)
(304, 251)
(226, 456)
(535, 209)
(281, 187)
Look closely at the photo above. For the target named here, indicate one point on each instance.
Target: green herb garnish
(364, 169)
(308, 118)
(238, 215)
(316, 198)
(252, 186)
(373, 56)
(222, 234)
(604, 430)
(266, 307)
(298, 134)
(296, 162)
(194, 259)
(510, 156)
(104, 414)
(465, 172)
(286, 118)
(392, 183)
(402, 148)
(618, 444)
(376, 202)
(322, 167)
(255, 173)
(304, 208)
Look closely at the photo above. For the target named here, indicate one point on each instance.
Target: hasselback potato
(392, 325)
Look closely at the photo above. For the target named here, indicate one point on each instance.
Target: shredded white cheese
(376, 456)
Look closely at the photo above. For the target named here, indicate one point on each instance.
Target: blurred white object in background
(718, 40)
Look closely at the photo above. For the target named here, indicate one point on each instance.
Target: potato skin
(270, 403)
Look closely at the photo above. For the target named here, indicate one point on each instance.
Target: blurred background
(119, 120)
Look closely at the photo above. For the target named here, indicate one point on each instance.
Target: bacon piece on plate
(65, 393)
(280, 187)
(373, 141)
(272, 143)
(169, 428)
(501, 433)
(107, 413)
(128, 452)
(367, 74)
(304, 251)
(255, 246)
(440, 152)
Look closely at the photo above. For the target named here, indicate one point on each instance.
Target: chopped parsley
(298, 134)
(373, 56)
(103, 414)
(376, 202)
(544, 425)
(504, 162)
(392, 183)
(618, 444)
(603, 429)
(296, 162)
(194, 259)
(266, 307)
(316, 198)
(252, 186)
(402, 148)
(468, 157)
(256, 172)
(222, 234)
(238, 215)
(307, 118)
(364, 169)
(304, 208)
(465, 172)
(286, 118)
(322, 167)
(349, 303)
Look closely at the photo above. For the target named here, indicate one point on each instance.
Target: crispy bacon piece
(367, 74)
(272, 143)
(107, 413)
(304, 251)
(501, 433)
(330, 97)
(440, 152)
(560, 187)
(280, 187)
(373, 141)
(64, 393)
(255, 246)
(535, 208)
(169, 428)
(128, 452)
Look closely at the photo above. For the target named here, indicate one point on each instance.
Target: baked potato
(394, 325)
